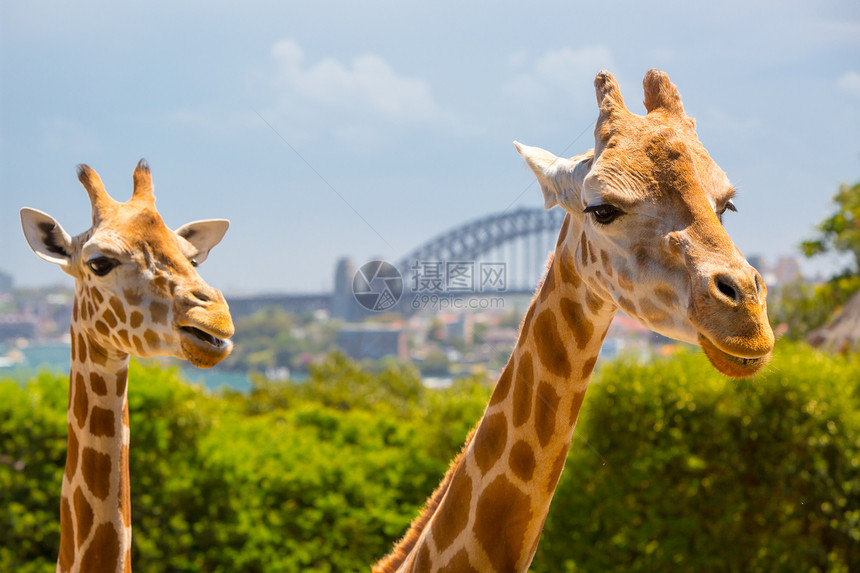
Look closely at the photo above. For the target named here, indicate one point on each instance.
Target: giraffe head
(645, 227)
(138, 291)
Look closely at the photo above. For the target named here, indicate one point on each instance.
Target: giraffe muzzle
(729, 364)
(205, 347)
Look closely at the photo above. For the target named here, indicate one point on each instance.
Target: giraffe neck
(490, 509)
(95, 509)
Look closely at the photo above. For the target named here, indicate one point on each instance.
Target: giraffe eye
(605, 213)
(194, 263)
(729, 206)
(102, 265)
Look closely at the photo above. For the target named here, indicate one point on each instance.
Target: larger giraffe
(136, 293)
(642, 234)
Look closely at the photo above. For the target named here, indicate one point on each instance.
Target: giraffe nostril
(727, 288)
(759, 285)
(201, 296)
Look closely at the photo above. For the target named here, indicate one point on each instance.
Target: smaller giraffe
(642, 234)
(136, 293)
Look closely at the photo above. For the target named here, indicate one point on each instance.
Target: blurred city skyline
(369, 133)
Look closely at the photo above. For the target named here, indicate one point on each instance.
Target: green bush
(672, 467)
(676, 468)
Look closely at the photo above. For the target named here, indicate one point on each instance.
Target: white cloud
(849, 83)
(559, 70)
(366, 85)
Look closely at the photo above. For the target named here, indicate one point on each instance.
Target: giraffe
(136, 293)
(643, 234)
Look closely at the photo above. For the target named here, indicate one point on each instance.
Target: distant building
(787, 269)
(372, 340)
(343, 303)
(14, 326)
(242, 306)
(6, 282)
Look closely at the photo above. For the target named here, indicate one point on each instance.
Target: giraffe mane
(391, 562)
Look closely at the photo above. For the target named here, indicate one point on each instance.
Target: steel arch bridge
(521, 239)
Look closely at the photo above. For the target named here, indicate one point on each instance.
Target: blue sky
(406, 110)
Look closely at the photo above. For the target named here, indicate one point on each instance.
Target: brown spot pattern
(581, 328)
(568, 272)
(551, 350)
(97, 295)
(102, 422)
(624, 280)
(123, 336)
(124, 485)
(576, 405)
(82, 349)
(593, 302)
(628, 305)
(102, 328)
(502, 516)
(98, 354)
(503, 386)
(158, 311)
(98, 384)
(458, 564)
(96, 468)
(80, 400)
(103, 551)
(563, 233)
(152, 340)
(604, 259)
(71, 454)
(651, 311)
(75, 310)
(83, 516)
(555, 473)
(67, 539)
(588, 366)
(451, 519)
(490, 441)
(583, 249)
(666, 296)
(138, 345)
(422, 560)
(527, 322)
(548, 284)
(121, 381)
(109, 318)
(546, 405)
(136, 319)
(522, 460)
(118, 308)
(523, 390)
(160, 283)
(133, 298)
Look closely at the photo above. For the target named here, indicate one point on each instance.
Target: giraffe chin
(202, 349)
(730, 365)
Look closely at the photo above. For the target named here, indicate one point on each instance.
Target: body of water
(23, 363)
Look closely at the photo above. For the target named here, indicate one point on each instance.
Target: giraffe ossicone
(643, 234)
(137, 292)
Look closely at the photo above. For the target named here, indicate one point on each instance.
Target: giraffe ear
(204, 235)
(560, 179)
(47, 237)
